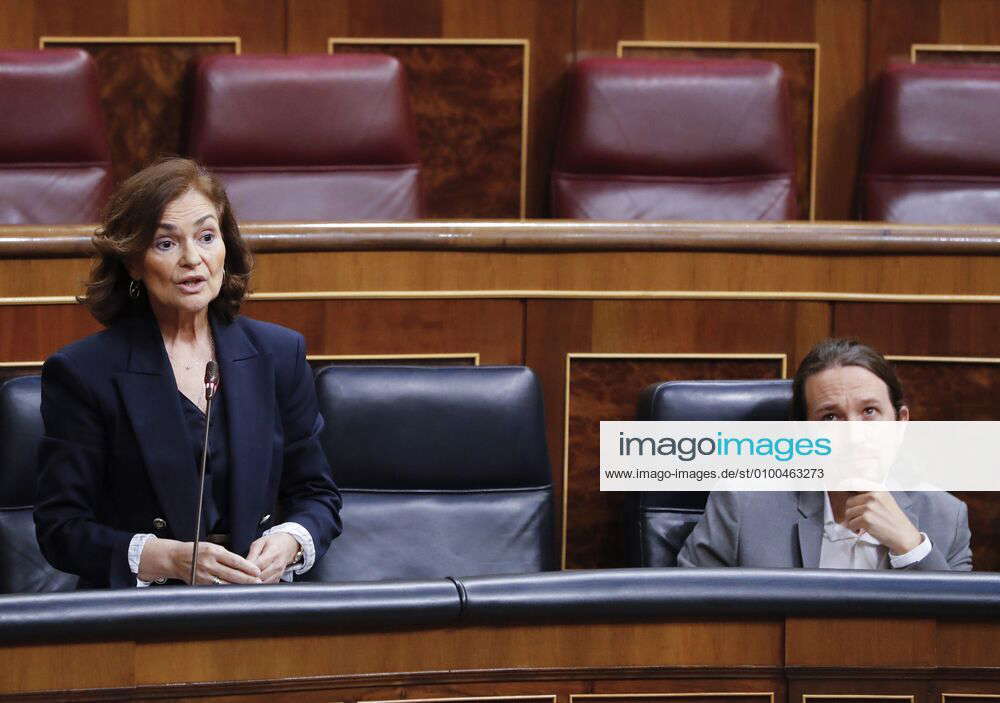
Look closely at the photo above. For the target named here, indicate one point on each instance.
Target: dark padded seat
(54, 156)
(656, 524)
(23, 569)
(934, 153)
(645, 139)
(308, 137)
(444, 472)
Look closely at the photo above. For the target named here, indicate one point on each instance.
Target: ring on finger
(217, 581)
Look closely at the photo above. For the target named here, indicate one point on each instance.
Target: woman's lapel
(153, 405)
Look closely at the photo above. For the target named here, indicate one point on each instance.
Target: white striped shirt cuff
(135, 555)
(305, 541)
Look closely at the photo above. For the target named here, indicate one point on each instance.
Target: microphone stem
(201, 491)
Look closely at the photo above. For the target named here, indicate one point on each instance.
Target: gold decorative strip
(945, 359)
(46, 42)
(525, 44)
(466, 699)
(472, 356)
(815, 296)
(698, 694)
(616, 355)
(915, 49)
(778, 46)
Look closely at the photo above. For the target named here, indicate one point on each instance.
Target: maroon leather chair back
(54, 156)
(649, 139)
(934, 150)
(308, 137)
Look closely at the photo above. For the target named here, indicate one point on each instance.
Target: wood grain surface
(464, 96)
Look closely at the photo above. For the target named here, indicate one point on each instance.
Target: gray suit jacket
(784, 529)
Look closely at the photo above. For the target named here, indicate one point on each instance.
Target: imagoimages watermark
(800, 456)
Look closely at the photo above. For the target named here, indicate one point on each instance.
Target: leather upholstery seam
(463, 596)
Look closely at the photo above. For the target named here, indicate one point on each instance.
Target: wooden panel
(553, 328)
(949, 389)
(87, 665)
(800, 67)
(895, 642)
(105, 18)
(17, 19)
(467, 101)
(259, 23)
(692, 697)
(618, 271)
(403, 326)
(841, 33)
(968, 643)
(546, 25)
(41, 329)
(509, 647)
(926, 330)
(894, 25)
(143, 95)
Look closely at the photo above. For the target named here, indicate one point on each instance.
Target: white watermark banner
(800, 456)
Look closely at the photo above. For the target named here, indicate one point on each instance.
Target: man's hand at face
(878, 514)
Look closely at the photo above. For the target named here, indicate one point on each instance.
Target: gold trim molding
(697, 694)
(472, 356)
(624, 44)
(45, 42)
(464, 699)
(943, 359)
(525, 45)
(915, 49)
(625, 355)
(808, 296)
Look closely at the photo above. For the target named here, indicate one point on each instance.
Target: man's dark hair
(831, 353)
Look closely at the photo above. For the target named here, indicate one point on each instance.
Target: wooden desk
(698, 660)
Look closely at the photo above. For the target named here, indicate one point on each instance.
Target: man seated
(838, 380)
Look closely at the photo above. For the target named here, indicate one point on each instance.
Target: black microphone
(211, 386)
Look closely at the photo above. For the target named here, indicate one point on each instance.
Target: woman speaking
(124, 409)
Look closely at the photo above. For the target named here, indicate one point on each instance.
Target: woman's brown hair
(831, 353)
(129, 222)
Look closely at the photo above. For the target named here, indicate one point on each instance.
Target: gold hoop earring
(134, 288)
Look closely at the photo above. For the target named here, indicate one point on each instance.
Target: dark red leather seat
(646, 139)
(54, 155)
(934, 151)
(308, 137)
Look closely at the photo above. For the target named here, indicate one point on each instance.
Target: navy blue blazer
(116, 460)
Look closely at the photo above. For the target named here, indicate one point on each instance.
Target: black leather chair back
(656, 524)
(23, 569)
(444, 472)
